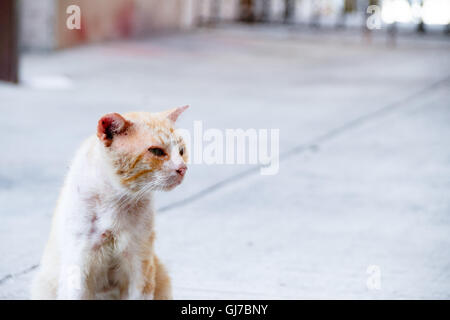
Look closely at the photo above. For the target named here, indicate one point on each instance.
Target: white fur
(80, 263)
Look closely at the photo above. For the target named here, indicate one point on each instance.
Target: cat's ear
(110, 125)
(173, 114)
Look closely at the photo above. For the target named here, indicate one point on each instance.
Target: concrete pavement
(364, 174)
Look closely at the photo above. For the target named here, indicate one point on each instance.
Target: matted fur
(101, 244)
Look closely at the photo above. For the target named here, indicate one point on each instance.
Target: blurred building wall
(36, 24)
(8, 41)
(43, 22)
(114, 19)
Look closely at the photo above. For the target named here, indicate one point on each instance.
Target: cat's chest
(117, 241)
(116, 254)
(118, 231)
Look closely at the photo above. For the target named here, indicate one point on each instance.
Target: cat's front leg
(163, 286)
(154, 282)
(137, 289)
(72, 284)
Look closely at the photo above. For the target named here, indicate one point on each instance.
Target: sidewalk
(364, 174)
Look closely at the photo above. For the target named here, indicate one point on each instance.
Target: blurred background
(359, 90)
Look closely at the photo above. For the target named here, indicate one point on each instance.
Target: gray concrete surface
(365, 159)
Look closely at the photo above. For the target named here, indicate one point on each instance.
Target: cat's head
(144, 149)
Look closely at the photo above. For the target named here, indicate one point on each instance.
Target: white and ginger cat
(102, 235)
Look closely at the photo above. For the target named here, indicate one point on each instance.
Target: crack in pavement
(361, 120)
(308, 146)
(18, 274)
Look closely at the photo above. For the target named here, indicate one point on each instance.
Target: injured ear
(111, 125)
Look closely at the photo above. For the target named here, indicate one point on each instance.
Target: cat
(101, 244)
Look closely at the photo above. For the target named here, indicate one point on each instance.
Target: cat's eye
(181, 151)
(157, 151)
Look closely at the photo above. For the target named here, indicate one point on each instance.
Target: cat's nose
(182, 170)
